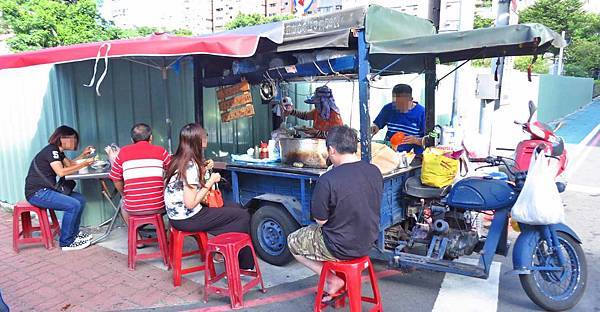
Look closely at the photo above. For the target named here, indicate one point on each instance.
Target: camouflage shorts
(308, 242)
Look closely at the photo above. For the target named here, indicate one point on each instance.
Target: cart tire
(270, 226)
(577, 281)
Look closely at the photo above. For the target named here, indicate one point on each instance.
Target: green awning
(523, 39)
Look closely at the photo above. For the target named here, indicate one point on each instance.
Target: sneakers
(85, 237)
(76, 245)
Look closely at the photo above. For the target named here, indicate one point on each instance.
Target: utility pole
(502, 19)
(561, 55)
(465, 22)
(430, 71)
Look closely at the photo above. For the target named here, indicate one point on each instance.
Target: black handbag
(63, 186)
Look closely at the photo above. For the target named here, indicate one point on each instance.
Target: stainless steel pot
(311, 152)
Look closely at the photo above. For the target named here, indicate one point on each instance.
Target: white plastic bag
(539, 202)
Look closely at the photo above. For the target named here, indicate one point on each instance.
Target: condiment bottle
(264, 150)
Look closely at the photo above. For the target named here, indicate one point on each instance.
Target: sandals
(335, 297)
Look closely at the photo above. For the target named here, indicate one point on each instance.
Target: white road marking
(272, 275)
(465, 294)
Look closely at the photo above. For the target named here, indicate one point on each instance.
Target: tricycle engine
(434, 224)
(460, 231)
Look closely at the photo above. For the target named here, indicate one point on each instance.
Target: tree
(49, 23)
(539, 67)
(41, 24)
(482, 22)
(244, 20)
(581, 28)
(583, 58)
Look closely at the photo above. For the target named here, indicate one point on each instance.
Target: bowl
(99, 164)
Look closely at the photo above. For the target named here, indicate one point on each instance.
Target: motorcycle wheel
(557, 290)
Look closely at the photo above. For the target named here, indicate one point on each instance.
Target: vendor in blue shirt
(404, 115)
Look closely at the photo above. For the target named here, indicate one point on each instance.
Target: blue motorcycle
(443, 226)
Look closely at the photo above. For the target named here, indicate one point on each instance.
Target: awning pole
(363, 96)
(165, 75)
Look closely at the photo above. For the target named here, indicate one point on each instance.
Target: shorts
(308, 242)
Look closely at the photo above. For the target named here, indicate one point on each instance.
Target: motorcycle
(443, 226)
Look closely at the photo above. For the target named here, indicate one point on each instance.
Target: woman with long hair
(186, 189)
(41, 185)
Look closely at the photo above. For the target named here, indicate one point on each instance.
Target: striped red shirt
(142, 167)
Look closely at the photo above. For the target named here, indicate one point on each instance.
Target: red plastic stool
(135, 221)
(229, 245)
(351, 272)
(47, 230)
(176, 244)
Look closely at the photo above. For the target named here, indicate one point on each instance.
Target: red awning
(232, 45)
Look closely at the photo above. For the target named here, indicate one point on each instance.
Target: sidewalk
(93, 279)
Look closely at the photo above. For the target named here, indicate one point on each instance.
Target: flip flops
(334, 297)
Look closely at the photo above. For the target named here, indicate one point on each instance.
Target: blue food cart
(359, 44)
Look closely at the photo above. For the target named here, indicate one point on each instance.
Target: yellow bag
(438, 170)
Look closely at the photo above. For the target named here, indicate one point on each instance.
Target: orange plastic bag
(396, 140)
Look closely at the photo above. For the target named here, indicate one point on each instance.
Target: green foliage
(484, 3)
(482, 22)
(583, 29)
(583, 58)
(487, 62)
(244, 20)
(49, 23)
(521, 63)
(145, 31)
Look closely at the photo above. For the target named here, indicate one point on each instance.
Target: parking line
(286, 296)
(467, 294)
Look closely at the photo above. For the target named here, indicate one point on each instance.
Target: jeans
(3, 306)
(71, 206)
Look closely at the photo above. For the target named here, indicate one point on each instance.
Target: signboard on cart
(235, 101)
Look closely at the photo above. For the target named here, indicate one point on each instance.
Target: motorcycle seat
(413, 187)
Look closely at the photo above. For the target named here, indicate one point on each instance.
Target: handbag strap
(39, 172)
(463, 164)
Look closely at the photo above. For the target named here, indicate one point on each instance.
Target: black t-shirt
(349, 198)
(34, 182)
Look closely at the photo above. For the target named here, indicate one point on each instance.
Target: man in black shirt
(345, 205)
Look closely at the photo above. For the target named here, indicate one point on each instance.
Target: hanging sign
(235, 101)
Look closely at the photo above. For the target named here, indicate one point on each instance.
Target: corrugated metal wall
(34, 101)
(130, 93)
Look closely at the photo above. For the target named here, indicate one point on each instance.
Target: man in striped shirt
(403, 115)
(138, 173)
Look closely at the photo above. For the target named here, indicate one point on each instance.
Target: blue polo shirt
(410, 123)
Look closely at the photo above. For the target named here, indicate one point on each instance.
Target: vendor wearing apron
(324, 116)
(402, 115)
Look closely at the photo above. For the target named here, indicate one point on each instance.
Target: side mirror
(532, 109)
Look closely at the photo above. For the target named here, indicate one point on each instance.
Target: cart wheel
(270, 227)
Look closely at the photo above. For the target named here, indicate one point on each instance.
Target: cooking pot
(311, 152)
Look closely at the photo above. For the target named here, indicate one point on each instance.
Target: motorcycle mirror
(532, 109)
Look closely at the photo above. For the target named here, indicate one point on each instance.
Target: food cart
(359, 44)
(367, 43)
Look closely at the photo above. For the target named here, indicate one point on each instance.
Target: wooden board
(239, 100)
(228, 91)
(245, 111)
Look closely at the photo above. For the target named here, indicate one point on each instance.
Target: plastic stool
(351, 272)
(177, 239)
(135, 221)
(47, 230)
(229, 245)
